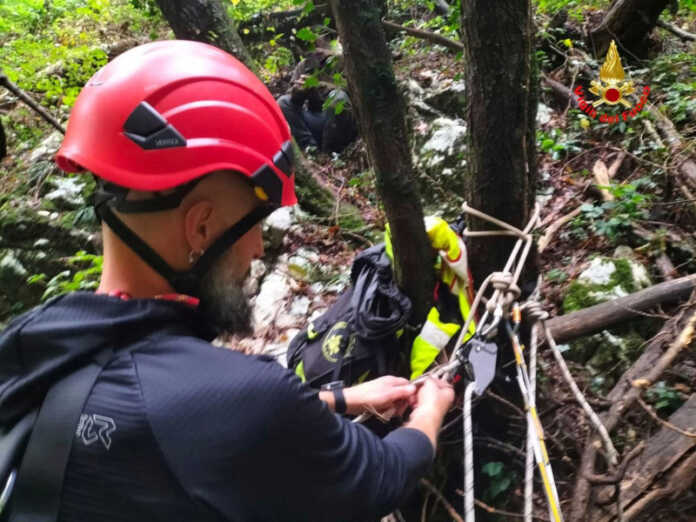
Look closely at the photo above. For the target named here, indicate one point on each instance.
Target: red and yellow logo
(612, 89)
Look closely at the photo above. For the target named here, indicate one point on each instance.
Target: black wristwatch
(339, 399)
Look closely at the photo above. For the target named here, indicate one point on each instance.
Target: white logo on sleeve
(94, 427)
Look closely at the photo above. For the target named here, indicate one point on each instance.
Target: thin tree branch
(662, 421)
(677, 31)
(5, 82)
(506, 403)
(496, 511)
(452, 512)
(426, 35)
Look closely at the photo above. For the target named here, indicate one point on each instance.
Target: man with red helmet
(191, 152)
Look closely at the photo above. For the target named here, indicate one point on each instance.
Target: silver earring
(194, 256)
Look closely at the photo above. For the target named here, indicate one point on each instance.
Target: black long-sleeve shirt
(177, 429)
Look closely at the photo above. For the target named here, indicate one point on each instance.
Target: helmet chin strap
(188, 281)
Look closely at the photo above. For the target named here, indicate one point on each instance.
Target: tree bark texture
(647, 473)
(370, 75)
(628, 22)
(502, 89)
(205, 21)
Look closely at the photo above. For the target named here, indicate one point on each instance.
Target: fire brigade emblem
(331, 347)
(611, 87)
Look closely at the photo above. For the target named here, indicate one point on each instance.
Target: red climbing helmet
(166, 113)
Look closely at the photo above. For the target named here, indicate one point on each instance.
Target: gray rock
(449, 98)
(66, 193)
(277, 225)
(11, 269)
(304, 265)
(441, 159)
(300, 306)
(256, 272)
(598, 273)
(273, 295)
(544, 113)
(47, 148)
(413, 89)
(447, 138)
(296, 316)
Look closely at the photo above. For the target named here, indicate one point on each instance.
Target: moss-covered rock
(610, 352)
(605, 279)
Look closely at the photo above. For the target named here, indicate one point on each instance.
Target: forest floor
(642, 205)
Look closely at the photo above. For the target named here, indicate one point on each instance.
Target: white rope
(469, 513)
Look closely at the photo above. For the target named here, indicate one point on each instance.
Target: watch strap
(339, 401)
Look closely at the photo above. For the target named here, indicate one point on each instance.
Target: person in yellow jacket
(454, 294)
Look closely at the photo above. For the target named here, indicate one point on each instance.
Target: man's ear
(198, 225)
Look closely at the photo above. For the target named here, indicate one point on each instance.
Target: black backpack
(360, 336)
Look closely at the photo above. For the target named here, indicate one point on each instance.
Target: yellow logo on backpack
(331, 347)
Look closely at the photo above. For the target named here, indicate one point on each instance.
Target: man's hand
(434, 398)
(386, 396)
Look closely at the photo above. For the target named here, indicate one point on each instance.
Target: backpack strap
(40, 478)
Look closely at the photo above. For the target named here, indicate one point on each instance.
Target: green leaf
(339, 107)
(547, 144)
(306, 34)
(492, 469)
(36, 278)
(500, 486)
(311, 81)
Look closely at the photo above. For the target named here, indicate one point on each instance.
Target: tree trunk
(628, 22)
(501, 84)
(368, 67)
(205, 21)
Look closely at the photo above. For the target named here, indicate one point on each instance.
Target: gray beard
(224, 303)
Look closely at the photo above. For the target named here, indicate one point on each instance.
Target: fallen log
(596, 318)
(663, 454)
(648, 367)
(560, 90)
